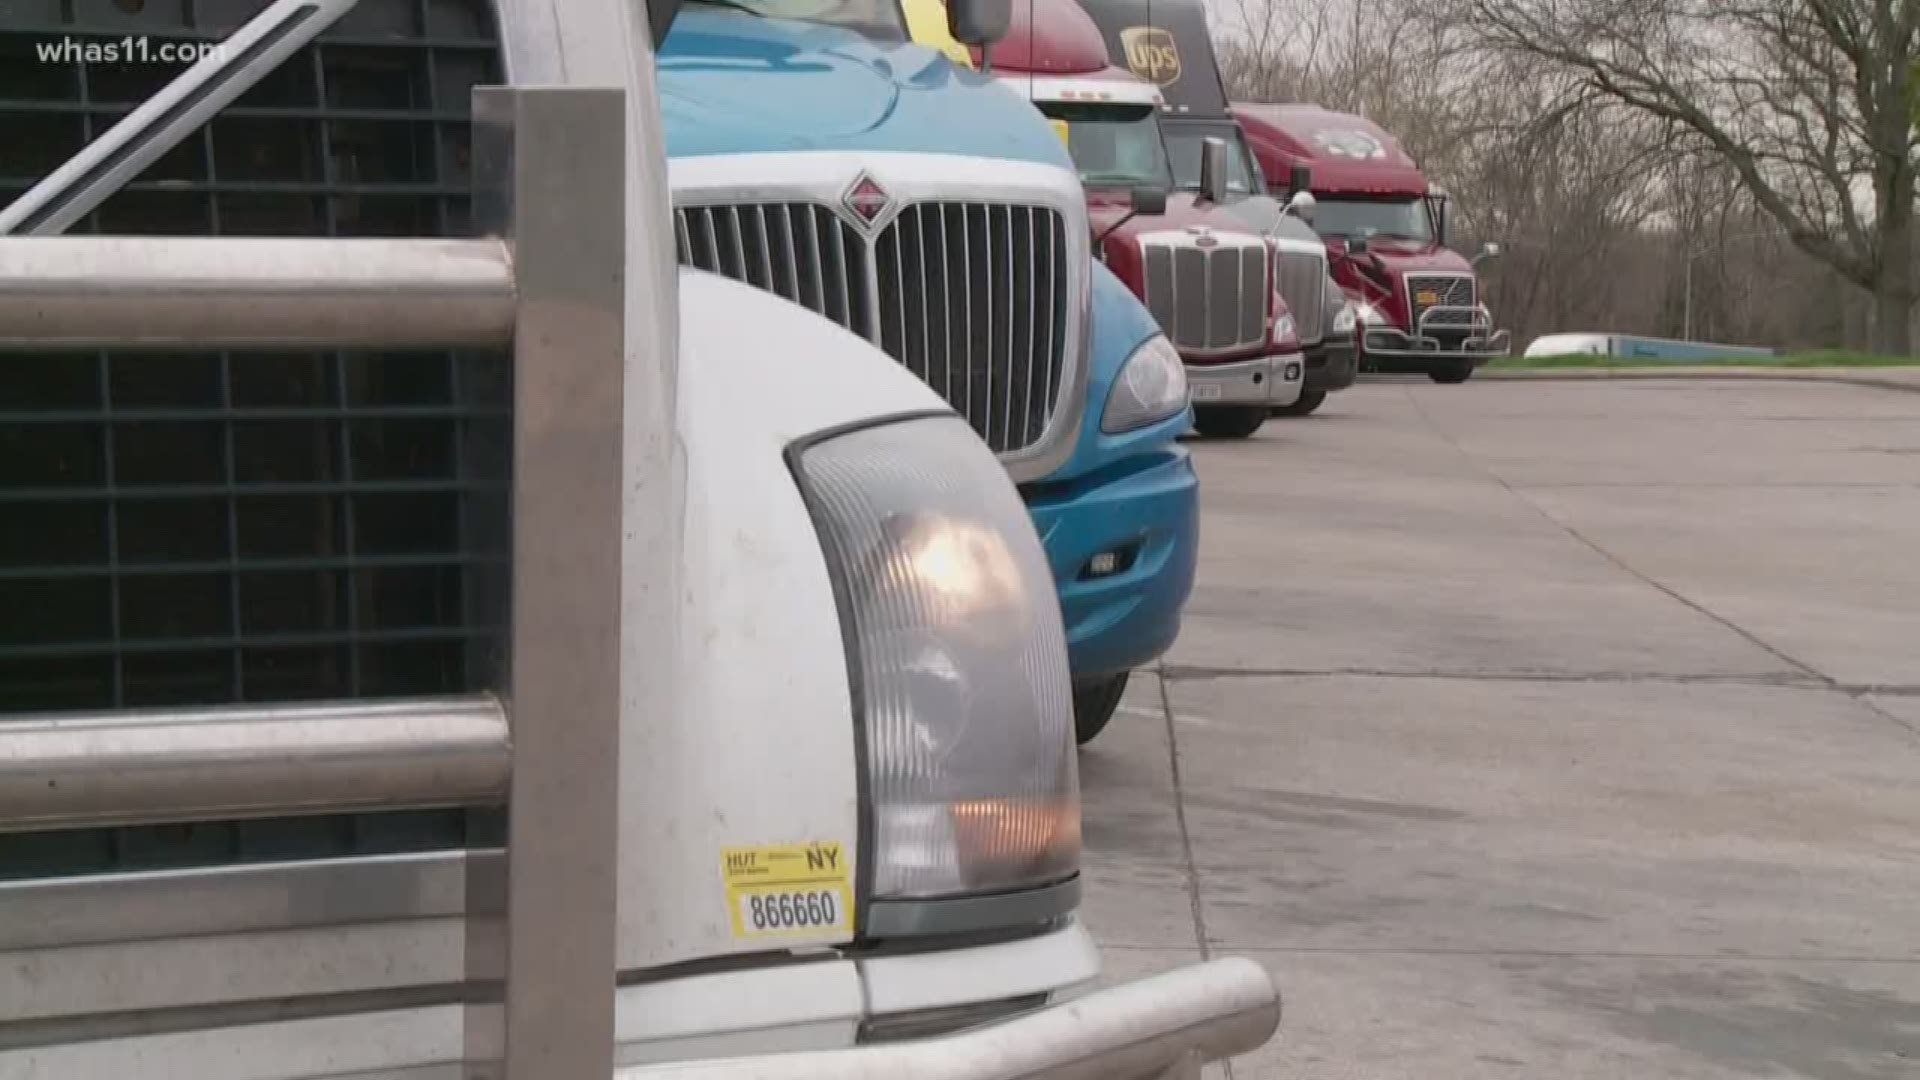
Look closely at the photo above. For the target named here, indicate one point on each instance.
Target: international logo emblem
(867, 199)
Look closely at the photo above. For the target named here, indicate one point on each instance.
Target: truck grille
(212, 528)
(1446, 290)
(801, 251)
(1303, 284)
(1209, 300)
(970, 297)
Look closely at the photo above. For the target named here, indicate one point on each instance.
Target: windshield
(1404, 217)
(879, 19)
(1110, 150)
(1183, 146)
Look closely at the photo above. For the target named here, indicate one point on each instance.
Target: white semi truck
(425, 656)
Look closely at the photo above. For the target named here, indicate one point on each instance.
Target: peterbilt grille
(971, 297)
(1208, 299)
(210, 528)
(1448, 290)
(1303, 284)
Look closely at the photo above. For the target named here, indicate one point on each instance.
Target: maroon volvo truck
(1417, 301)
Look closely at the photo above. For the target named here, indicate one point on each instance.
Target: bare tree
(1808, 102)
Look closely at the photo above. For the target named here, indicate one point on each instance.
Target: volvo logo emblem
(867, 199)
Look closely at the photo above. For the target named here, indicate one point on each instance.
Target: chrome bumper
(1162, 1028)
(1482, 341)
(1266, 380)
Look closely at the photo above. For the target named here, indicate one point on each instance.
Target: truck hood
(1402, 257)
(1259, 216)
(733, 83)
(1184, 209)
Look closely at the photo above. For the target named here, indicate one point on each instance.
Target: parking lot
(1565, 729)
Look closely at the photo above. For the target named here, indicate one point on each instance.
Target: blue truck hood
(731, 83)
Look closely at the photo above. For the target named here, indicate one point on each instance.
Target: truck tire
(1309, 401)
(1452, 374)
(1094, 702)
(1229, 421)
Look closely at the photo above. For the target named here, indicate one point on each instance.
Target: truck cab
(826, 158)
(1216, 181)
(1217, 302)
(1417, 301)
(464, 641)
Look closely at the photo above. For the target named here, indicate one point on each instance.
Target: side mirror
(1213, 169)
(660, 16)
(979, 22)
(1488, 250)
(1299, 179)
(1355, 245)
(1301, 205)
(1150, 200)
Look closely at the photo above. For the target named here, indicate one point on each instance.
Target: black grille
(971, 297)
(973, 300)
(1441, 290)
(224, 527)
(1303, 284)
(800, 251)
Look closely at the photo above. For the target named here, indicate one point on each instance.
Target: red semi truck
(1417, 301)
(1165, 43)
(1240, 303)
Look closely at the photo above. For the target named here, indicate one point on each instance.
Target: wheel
(1452, 374)
(1309, 401)
(1229, 422)
(1093, 705)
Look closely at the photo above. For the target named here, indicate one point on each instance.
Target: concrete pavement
(1543, 729)
(1885, 378)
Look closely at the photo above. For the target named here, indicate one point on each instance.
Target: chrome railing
(543, 931)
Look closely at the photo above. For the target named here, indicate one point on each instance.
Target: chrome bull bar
(1482, 341)
(1161, 1028)
(541, 953)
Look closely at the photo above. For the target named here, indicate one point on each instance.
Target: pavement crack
(1783, 680)
(1624, 566)
(1192, 867)
(1727, 485)
(1573, 954)
(1861, 697)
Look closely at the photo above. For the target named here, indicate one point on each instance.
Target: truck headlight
(1285, 333)
(1152, 386)
(959, 662)
(1343, 322)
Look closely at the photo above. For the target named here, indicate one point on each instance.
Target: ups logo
(1151, 54)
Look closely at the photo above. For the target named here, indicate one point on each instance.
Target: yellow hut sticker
(1060, 129)
(788, 889)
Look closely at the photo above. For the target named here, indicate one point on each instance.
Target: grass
(1818, 359)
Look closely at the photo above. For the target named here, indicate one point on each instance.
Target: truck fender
(761, 747)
